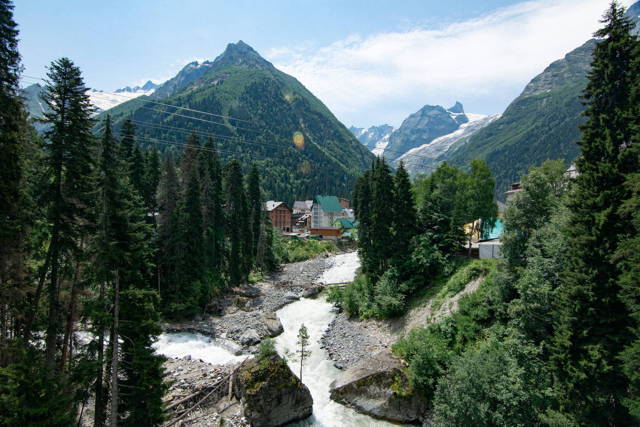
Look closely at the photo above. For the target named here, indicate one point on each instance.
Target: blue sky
(370, 61)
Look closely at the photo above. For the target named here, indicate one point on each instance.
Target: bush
(499, 382)
(461, 278)
(389, 295)
(430, 350)
(287, 250)
(267, 348)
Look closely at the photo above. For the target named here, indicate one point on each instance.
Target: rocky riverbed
(348, 341)
(246, 315)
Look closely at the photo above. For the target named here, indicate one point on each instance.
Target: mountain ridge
(260, 114)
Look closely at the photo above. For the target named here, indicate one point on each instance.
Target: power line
(196, 118)
(209, 134)
(157, 102)
(215, 123)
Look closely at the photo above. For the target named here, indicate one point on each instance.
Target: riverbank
(246, 315)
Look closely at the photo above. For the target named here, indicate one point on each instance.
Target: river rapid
(318, 370)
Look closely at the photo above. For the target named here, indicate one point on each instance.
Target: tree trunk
(114, 357)
(71, 317)
(52, 326)
(98, 420)
(36, 297)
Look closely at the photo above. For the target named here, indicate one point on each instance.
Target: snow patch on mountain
(426, 157)
(106, 100)
(375, 138)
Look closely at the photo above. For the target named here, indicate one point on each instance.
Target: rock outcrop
(377, 387)
(270, 394)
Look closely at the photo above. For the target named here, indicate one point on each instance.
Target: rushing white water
(342, 270)
(197, 346)
(317, 371)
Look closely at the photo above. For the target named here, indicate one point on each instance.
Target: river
(317, 372)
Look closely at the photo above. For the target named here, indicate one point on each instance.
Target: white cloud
(384, 77)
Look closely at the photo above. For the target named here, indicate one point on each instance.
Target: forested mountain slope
(542, 123)
(256, 113)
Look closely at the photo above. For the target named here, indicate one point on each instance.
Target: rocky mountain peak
(241, 54)
(457, 108)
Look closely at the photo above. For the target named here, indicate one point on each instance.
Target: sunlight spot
(298, 140)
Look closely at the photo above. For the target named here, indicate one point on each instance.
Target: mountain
(426, 158)
(541, 123)
(423, 126)
(101, 100)
(36, 107)
(375, 138)
(255, 113)
(149, 86)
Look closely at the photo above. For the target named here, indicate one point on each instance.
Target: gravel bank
(349, 341)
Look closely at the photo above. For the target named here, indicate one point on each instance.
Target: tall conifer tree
(254, 199)
(13, 139)
(404, 220)
(236, 222)
(382, 216)
(70, 149)
(592, 321)
(168, 229)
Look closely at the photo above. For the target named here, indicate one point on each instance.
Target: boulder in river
(376, 387)
(249, 337)
(270, 394)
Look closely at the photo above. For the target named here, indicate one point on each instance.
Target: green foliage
(442, 206)
(628, 255)
(430, 350)
(143, 383)
(501, 381)
(29, 394)
(457, 282)
(267, 348)
(13, 173)
(264, 99)
(289, 250)
(592, 323)
(542, 123)
(529, 209)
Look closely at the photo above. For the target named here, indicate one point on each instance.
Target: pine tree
(404, 220)
(137, 171)
(254, 200)
(13, 140)
(70, 163)
(215, 219)
(168, 229)
(127, 139)
(593, 323)
(236, 223)
(362, 208)
(628, 255)
(382, 217)
(143, 383)
(191, 268)
(108, 254)
(151, 182)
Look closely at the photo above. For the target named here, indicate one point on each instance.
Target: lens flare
(305, 168)
(298, 140)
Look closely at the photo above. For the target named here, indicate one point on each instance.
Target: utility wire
(212, 122)
(156, 102)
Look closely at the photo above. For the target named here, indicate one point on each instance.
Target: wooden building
(324, 212)
(280, 215)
